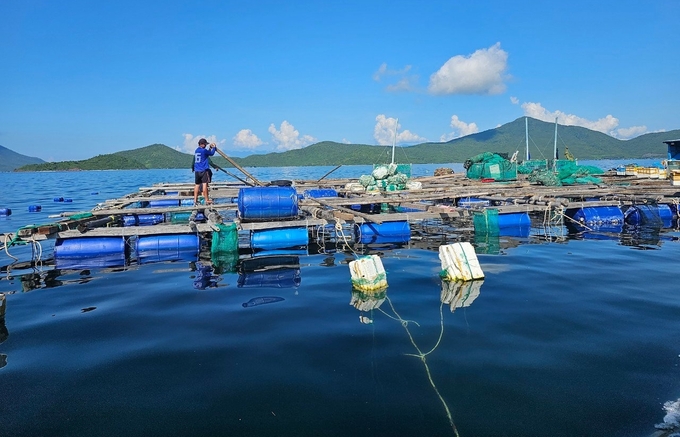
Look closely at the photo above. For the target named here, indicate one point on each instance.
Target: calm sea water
(575, 337)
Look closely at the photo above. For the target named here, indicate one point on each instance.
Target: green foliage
(99, 162)
(158, 156)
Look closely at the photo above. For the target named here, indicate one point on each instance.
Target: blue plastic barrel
(172, 193)
(143, 219)
(514, 220)
(279, 238)
(593, 215)
(650, 215)
(58, 199)
(173, 247)
(90, 252)
(34, 208)
(68, 200)
(321, 192)
(158, 203)
(5, 211)
(267, 203)
(389, 232)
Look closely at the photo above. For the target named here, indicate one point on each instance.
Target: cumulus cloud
(514, 100)
(404, 81)
(461, 129)
(246, 139)
(191, 141)
(482, 72)
(608, 125)
(288, 138)
(384, 132)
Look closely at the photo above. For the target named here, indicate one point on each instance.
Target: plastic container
(279, 238)
(58, 199)
(267, 203)
(34, 208)
(593, 215)
(163, 202)
(514, 220)
(368, 274)
(90, 252)
(388, 232)
(68, 200)
(5, 211)
(321, 192)
(459, 262)
(143, 219)
(650, 215)
(173, 247)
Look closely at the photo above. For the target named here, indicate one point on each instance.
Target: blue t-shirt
(201, 156)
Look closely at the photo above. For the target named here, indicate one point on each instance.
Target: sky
(83, 78)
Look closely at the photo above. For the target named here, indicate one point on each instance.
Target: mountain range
(583, 143)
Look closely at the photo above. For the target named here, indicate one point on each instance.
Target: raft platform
(326, 215)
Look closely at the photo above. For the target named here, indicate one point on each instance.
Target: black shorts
(202, 177)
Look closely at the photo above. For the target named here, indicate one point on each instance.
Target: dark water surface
(572, 338)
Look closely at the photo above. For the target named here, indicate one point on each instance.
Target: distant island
(584, 144)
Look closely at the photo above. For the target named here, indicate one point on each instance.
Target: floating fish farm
(251, 221)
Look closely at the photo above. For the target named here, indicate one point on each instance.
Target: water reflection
(204, 277)
(366, 302)
(4, 333)
(270, 271)
(460, 294)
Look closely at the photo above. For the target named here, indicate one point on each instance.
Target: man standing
(202, 169)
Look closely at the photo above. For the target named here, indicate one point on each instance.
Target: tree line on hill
(583, 143)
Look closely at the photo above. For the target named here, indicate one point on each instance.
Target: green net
(224, 248)
(569, 173)
(486, 221)
(82, 215)
(528, 166)
(225, 239)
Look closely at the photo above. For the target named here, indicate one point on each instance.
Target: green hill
(157, 156)
(99, 162)
(582, 143)
(9, 159)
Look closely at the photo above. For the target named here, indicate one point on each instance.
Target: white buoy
(368, 273)
(459, 262)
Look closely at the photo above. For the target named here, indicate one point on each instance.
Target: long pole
(394, 140)
(555, 147)
(526, 135)
(232, 162)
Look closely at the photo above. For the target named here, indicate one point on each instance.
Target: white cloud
(482, 72)
(346, 141)
(246, 139)
(514, 100)
(630, 132)
(405, 82)
(288, 138)
(191, 141)
(461, 129)
(384, 132)
(607, 125)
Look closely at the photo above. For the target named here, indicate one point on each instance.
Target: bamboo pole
(368, 217)
(232, 162)
(324, 176)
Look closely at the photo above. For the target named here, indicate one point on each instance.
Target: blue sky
(82, 78)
